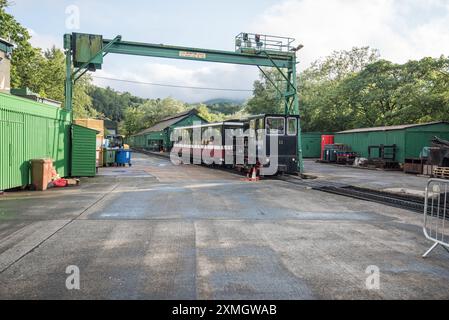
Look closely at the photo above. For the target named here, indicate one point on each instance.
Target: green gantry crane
(85, 52)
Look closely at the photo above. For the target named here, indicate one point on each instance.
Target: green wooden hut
(157, 138)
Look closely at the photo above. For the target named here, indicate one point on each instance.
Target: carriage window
(252, 124)
(275, 126)
(292, 127)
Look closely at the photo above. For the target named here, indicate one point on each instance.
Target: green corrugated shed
(84, 148)
(31, 130)
(311, 144)
(161, 132)
(409, 139)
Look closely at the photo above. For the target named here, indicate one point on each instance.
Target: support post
(287, 95)
(68, 77)
(296, 112)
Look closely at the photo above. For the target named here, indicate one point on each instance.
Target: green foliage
(385, 93)
(353, 89)
(225, 108)
(147, 114)
(82, 102)
(206, 114)
(112, 104)
(324, 102)
(133, 121)
(156, 110)
(341, 64)
(41, 72)
(153, 111)
(26, 59)
(266, 98)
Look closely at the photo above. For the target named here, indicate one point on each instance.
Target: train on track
(265, 144)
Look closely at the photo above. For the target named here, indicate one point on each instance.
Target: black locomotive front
(283, 130)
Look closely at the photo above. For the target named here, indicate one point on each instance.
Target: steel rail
(407, 202)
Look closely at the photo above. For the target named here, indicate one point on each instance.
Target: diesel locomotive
(244, 144)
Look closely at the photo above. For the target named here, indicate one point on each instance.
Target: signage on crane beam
(194, 55)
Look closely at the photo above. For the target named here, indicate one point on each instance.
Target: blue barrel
(123, 157)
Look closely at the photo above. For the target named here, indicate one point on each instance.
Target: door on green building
(84, 151)
(14, 170)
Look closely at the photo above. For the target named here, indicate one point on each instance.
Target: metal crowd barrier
(436, 216)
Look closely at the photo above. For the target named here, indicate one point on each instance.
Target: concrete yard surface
(159, 231)
(377, 179)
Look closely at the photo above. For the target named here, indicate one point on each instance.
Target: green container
(311, 144)
(108, 157)
(84, 151)
(31, 130)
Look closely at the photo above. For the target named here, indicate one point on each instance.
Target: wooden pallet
(441, 172)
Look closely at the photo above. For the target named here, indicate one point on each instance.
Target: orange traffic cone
(254, 176)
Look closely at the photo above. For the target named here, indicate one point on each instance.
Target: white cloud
(44, 41)
(400, 29)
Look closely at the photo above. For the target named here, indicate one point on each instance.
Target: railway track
(402, 201)
(407, 202)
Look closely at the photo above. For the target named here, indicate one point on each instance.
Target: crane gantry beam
(196, 54)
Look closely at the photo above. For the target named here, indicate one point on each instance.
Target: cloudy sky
(400, 29)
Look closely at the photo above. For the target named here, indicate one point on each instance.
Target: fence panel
(436, 218)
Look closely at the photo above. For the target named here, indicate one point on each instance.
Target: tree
(341, 64)
(353, 89)
(41, 72)
(266, 98)
(112, 103)
(26, 59)
(325, 105)
(132, 123)
(156, 110)
(385, 93)
(82, 102)
(225, 108)
(205, 113)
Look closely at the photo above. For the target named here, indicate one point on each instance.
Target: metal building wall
(189, 121)
(360, 141)
(31, 130)
(410, 142)
(418, 137)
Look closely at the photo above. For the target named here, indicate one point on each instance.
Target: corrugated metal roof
(169, 121)
(8, 43)
(182, 114)
(391, 128)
